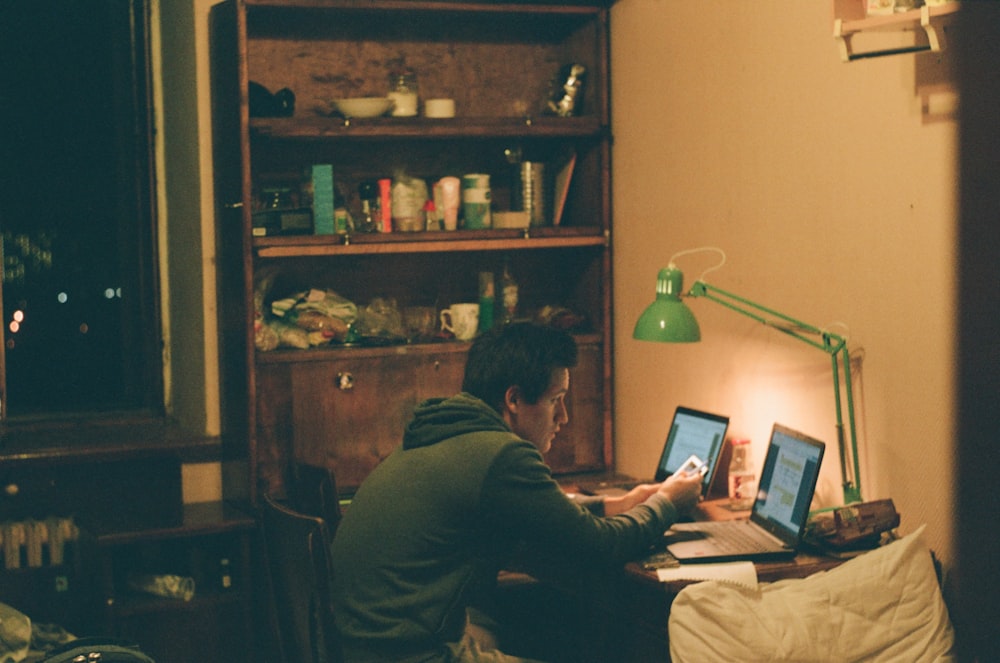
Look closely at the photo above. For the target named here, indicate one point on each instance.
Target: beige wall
(834, 197)
(186, 211)
(187, 215)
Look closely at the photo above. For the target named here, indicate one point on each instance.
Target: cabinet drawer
(346, 413)
(349, 413)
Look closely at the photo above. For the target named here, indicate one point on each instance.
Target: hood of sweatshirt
(439, 419)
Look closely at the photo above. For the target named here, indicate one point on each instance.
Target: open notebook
(778, 518)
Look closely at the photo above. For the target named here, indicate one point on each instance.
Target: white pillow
(884, 605)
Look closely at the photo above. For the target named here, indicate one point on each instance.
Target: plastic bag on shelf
(324, 314)
(380, 319)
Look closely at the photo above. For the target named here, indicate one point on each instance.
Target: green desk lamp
(669, 320)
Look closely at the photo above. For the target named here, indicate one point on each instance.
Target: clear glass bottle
(742, 478)
(509, 293)
(368, 193)
(403, 91)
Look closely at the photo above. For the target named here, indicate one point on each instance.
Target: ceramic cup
(462, 320)
(439, 108)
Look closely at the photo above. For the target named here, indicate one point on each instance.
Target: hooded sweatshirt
(431, 526)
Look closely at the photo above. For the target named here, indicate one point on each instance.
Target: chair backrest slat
(297, 547)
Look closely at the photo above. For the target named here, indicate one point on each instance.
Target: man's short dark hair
(521, 354)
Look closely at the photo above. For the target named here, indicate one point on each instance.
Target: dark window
(80, 314)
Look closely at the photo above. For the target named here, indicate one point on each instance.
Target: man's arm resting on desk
(616, 504)
(613, 505)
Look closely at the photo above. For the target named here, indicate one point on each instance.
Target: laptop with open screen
(691, 432)
(778, 517)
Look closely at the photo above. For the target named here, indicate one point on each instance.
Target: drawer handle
(345, 381)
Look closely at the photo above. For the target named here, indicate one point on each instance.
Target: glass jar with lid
(403, 91)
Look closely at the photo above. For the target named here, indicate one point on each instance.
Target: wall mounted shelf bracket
(930, 20)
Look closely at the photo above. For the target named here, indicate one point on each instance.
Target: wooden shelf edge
(294, 356)
(98, 440)
(196, 519)
(579, 7)
(425, 242)
(388, 128)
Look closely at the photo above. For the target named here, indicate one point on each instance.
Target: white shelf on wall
(850, 19)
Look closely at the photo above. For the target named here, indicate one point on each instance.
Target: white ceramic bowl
(363, 106)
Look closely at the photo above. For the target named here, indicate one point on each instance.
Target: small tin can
(530, 192)
(476, 200)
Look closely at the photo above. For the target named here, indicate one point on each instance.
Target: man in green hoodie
(432, 525)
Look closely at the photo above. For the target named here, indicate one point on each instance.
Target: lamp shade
(668, 319)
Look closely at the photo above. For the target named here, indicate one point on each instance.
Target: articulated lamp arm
(669, 320)
(833, 344)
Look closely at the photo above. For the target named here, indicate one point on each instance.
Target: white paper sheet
(740, 573)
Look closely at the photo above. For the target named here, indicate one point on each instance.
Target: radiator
(34, 543)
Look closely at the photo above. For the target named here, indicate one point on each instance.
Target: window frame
(137, 213)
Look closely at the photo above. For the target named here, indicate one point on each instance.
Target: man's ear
(512, 398)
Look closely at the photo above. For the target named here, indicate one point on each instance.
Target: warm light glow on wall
(770, 379)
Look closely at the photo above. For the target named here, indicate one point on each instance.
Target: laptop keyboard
(730, 537)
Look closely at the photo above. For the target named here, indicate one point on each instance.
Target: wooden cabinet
(211, 546)
(346, 406)
(115, 500)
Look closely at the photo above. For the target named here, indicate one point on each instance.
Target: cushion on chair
(884, 605)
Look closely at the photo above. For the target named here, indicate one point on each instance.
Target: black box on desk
(273, 222)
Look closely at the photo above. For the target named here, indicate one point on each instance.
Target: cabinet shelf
(135, 604)
(579, 7)
(415, 349)
(850, 19)
(198, 519)
(428, 242)
(389, 128)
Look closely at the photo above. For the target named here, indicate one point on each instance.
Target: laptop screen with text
(693, 432)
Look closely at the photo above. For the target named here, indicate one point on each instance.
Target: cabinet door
(349, 414)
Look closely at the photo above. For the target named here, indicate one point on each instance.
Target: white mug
(462, 320)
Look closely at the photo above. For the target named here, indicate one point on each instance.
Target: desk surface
(624, 616)
(802, 565)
